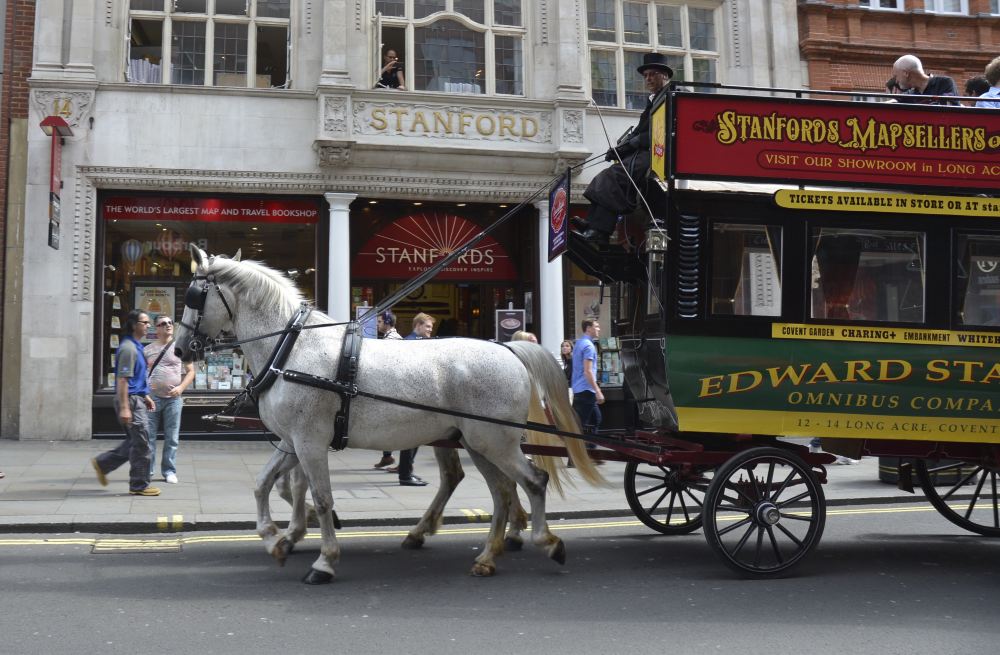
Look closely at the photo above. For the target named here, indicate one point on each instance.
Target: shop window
(226, 59)
(978, 280)
(621, 31)
(868, 275)
(472, 46)
(146, 262)
(746, 270)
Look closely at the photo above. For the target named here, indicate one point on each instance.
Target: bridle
(195, 298)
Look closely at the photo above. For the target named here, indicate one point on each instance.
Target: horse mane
(258, 283)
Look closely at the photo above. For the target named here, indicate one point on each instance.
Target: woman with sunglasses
(168, 378)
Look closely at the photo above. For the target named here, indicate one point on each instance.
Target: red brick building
(850, 45)
(18, 17)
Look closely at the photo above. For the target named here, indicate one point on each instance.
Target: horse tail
(549, 391)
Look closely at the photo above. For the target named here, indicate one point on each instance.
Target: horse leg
(293, 483)
(501, 487)
(506, 454)
(274, 543)
(313, 460)
(450, 468)
(517, 520)
(284, 489)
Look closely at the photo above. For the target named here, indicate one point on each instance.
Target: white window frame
(488, 29)
(619, 46)
(876, 5)
(251, 21)
(995, 7)
(933, 7)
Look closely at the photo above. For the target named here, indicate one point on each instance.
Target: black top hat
(655, 60)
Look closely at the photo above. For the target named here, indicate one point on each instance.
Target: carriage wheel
(981, 513)
(668, 498)
(764, 512)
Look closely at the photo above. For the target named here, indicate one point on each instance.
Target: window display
(147, 264)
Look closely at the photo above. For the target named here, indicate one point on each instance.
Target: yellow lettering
(734, 381)
(937, 371)
(442, 122)
(464, 121)
(823, 373)
(507, 125)
(378, 119)
(711, 386)
(526, 123)
(858, 369)
(418, 119)
(883, 370)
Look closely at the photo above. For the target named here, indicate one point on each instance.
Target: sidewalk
(50, 486)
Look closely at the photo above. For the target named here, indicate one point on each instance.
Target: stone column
(337, 15)
(550, 286)
(338, 293)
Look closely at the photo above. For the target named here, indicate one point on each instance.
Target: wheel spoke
(784, 485)
(680, 500)
(742, 542)
(730, 528)
(996, 513)
(774, 545)
(975, 496)
(794, 499)
(733, 508)
(753, 478)
(770, 477)
(696, 500)
(639, 474)
(760, 547)
(739, 492)
(961, 483)
(670, 507)
(796, 517)
(658, 501)
(651, 489)
(796, 540)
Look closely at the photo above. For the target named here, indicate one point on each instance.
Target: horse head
(208, 307)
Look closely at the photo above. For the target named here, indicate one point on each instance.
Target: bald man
(914, 82)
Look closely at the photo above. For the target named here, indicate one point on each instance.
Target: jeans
(168, 417)
(134, 449)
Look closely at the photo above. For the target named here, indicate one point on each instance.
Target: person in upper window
(611, 192)
(919, 87)
(391, 75)
(991, 98)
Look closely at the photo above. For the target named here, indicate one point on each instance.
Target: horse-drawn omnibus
(816, 268)
(825, 268)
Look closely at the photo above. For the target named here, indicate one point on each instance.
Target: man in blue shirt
(586, 394)
(992, 97)
(423, 327)
(132, 401)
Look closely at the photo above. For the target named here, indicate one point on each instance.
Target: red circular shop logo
(658, 149)
(560, 207)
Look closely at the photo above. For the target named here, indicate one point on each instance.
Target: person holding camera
(392, 72)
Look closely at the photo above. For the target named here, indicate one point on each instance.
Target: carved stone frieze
(84, 208)
(335, 116)
(73, 106)
(572, 126)
(333, 155)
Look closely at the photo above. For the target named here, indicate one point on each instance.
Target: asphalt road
(896, 579)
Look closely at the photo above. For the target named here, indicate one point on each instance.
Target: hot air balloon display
(169, 244)
(131, 254)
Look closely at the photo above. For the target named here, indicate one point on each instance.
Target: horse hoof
(513, 543)
(559, 553)
(317, 577)
(412, 543)
(281, 550)
(483, 570)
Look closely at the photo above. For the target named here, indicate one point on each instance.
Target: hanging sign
(213, 210)
(558, 216)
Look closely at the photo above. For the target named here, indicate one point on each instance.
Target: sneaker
(170, 478)
(846, 461)
(148, 491)
(815, 449)
(385, 461)
(103, 479)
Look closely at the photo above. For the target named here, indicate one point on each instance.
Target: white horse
(463, 375)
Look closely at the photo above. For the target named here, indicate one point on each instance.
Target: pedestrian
(386, 324)
(991, 97)
(918, 86)
(423, 326)
(391, 75)
(587, 395)
(522, 335)
(168, 378)
(132, 401)
(566, 359)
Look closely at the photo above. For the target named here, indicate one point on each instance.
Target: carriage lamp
(55, 125)
(656, 240)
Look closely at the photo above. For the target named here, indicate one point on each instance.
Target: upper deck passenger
(914, 82)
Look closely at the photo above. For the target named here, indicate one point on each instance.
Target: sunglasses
(162, 323)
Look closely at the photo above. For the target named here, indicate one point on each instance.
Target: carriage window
(978, 279)
(746, 269)
(868, 275)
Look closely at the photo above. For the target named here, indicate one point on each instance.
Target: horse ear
(238, 255)
(198, 255)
